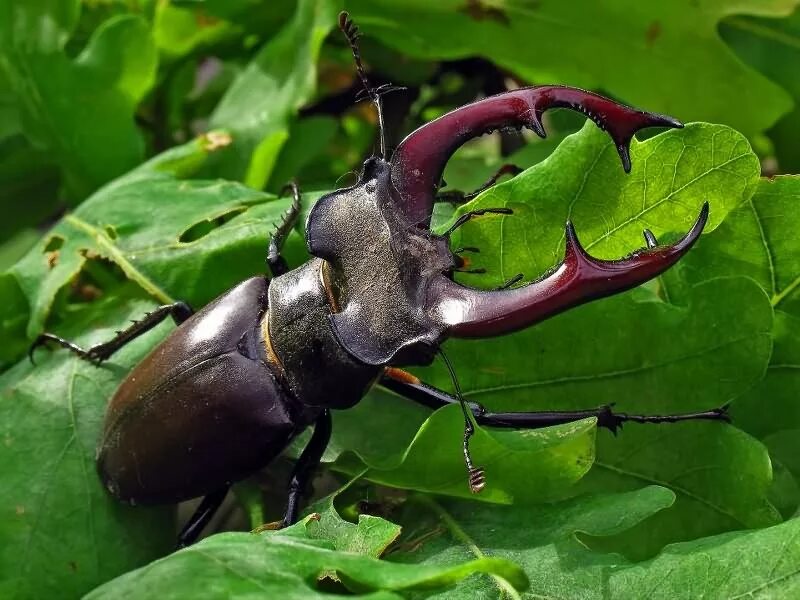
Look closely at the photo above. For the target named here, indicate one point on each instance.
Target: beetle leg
(179, 311)
(197, 522)
(412, 388)
(305, 467)
(458, 197)
(277, 264)
(468, 216)
(515, 279)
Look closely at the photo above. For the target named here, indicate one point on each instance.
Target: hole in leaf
(203, 228)
(52, 250)
(54, 243)
(328, 583)
(97, 277)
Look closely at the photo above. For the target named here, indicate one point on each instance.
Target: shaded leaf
(287, 566)
(638, 55)
(773, 47)
(259, 105)
(106, 81)
(549, 542)
(58, 518)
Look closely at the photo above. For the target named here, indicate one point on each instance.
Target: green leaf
(543, 540)
(582, 181)
(370, 536)
(645, 354)
(635, 54)
(759, 240)
(256, 16)
(62, 534)
(721, 478)
(179, 31)
(79, 110)
(549, 542)
(286, 566)
(165, 257)
(772, 46)
(432, 460)
(259, 105)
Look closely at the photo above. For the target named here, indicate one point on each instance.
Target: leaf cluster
(145, 147)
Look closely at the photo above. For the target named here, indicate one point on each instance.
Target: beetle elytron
(228, 390)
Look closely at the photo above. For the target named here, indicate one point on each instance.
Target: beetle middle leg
(197, 522)
(306, 466)
(277, 264)
(179, 311)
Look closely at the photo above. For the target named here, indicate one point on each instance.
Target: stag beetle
(231, 387)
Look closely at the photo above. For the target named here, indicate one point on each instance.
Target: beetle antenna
(477, 476)
(351, 32)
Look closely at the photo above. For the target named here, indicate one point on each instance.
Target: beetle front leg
(410, 387)
(277, 264)
(179, 311)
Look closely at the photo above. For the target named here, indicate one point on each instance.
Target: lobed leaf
(664, 58)
(287, 566)
(549, 542)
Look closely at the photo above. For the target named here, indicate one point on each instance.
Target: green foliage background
(143, 148)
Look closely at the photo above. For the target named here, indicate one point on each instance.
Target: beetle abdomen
(200, 411)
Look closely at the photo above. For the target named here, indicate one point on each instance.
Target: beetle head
(390, 280)
(395, 298)
(378, 268)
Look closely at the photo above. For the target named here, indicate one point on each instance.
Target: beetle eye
(373, 167)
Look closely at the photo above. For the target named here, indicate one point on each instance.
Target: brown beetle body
(205, 388)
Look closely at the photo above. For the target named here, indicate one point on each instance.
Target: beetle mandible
(234, 383)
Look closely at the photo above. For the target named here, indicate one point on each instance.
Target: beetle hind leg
(410, 387)
(179, 311)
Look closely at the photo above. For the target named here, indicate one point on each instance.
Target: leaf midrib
(115, 254)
